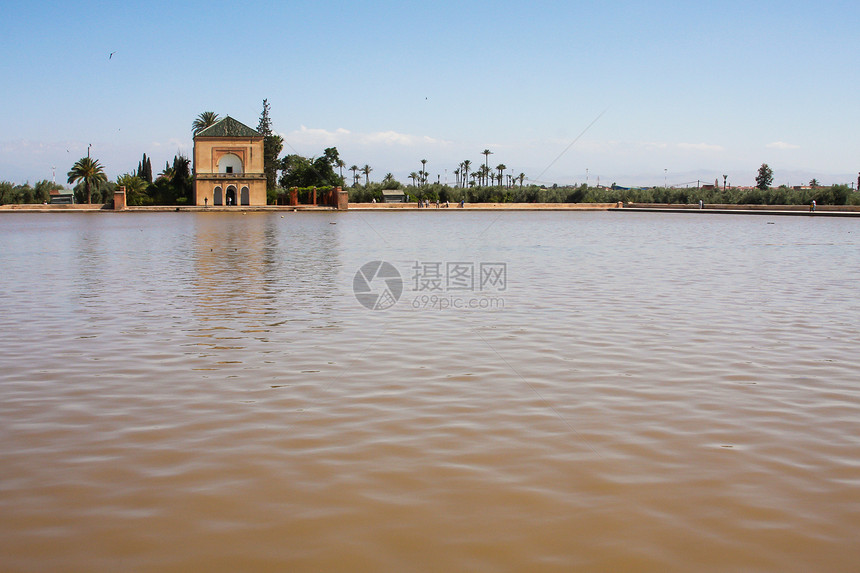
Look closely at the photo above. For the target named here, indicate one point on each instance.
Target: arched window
(246, 200)
(217, 197)
(230, 163)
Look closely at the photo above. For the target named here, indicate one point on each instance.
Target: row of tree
(830, 195)
(39, 193)
(173, 186)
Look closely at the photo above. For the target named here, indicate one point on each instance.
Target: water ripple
(204, 392)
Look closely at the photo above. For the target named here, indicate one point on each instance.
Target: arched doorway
(216, 200)
(230, 196)
(230, 163)
(245, 195)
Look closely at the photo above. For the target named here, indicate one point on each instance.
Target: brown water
(653, 392)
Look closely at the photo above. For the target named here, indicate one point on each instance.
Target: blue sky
(687, 91)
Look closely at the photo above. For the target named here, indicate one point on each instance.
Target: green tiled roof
(229, 127)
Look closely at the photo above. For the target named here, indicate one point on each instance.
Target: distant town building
(393, 196)
(228, 165)
(62, 197)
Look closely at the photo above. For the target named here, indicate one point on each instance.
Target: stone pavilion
(228, 165)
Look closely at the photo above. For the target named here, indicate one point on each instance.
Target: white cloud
(701, 146)
(782, 145)
(394, 138)
(173, 143)
(316, 137)
(653, 145)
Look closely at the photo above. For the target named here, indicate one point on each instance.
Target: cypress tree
(272, 146)
(144, 169)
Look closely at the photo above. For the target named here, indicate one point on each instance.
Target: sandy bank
(488, 206)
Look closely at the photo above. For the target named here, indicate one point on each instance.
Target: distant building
(228, 165)
(393, 196)
(62, 197)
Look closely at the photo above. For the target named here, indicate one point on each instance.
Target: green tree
(7, 193)
(144, 169)
(325, 166)
(166, 173)
(42, 191)
(501, 169)
(89, 172)
(354, 170)
(181, 182)
(390, 182)
(135, 189)
(26, 193)
(423, 172)
(265, 124)
(813, 183)
(366, 172)
(764, 177)
(486, 153)
(173, 185)
(272, 146)
(204, 120)
(300, 171)
(484, 173)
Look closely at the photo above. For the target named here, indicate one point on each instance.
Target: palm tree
(135, 187)
(521, 177)
(167, 172)
(340, 166)
(366, 171)
(501, 169)
(413, 176)
(486, 153)
(466, 164)
(90, 172)
(423, 171)
(204, 120)
(354, 170)
(457, 175)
